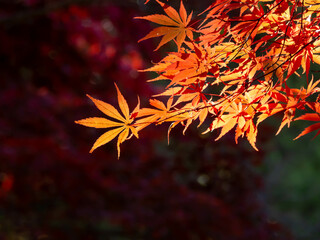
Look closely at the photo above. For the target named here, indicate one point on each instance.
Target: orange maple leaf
(121, 127)
(175, 25)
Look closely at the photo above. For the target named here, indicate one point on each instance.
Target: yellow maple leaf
(121, 124)
(175, 25)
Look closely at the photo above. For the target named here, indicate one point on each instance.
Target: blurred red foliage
(52, 188)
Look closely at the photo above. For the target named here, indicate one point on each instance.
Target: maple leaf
(175, 25)
(311, 117)
(312, 127)
(239, 116)
(121, 124)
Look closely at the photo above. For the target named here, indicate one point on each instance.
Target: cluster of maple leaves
(231, 70)
(50, 188)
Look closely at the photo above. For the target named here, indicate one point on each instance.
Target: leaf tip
(91, 98)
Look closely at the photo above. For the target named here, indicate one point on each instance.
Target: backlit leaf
(175, 26)
(107, 109)
(98, 122)
(123, 104)
(106, 137)
(309, 129)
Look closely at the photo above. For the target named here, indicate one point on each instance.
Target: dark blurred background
(52, 54)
